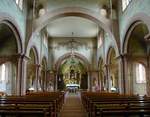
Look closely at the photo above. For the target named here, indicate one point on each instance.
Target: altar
(72, 88)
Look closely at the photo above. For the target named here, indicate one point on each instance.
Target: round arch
(74, 11)
(16, 34)
(113, 70)
(137, 54)
(131, 28)
(11, 50)
(42, 79)
(31, 75)
(134, 21)
(44, 60)
(35, 54)
(108, 54)
(100, 61)
(82, 76)
(77, 55)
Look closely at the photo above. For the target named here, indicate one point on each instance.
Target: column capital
(23, 56)
(13, 58)
(106, 65)
(93, 70)
(51, 71)
(37, 65)
(123, 55)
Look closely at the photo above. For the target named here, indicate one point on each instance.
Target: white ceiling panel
(63, 27)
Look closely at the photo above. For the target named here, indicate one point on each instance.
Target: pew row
(115, 105)
(40, 104)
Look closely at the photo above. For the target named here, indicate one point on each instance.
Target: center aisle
(73, 106)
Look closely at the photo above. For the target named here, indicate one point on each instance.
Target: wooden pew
(42, 104)
(25, 113)
(120, 108)
(100, 104)
(57, 96)
(22, 108)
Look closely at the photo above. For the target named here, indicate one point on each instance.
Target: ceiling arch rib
(76, 55)
(78, 12)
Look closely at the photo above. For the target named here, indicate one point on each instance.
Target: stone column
(37, 77)
(101, 80)
(89, 81)
(21, 75)
(126, 76)
(147, 41)
(148, 74)
(55, 80)
(121, 80)
(107, 77)
(47, 78)
(43, 79)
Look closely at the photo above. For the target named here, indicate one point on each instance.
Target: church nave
(73, 106)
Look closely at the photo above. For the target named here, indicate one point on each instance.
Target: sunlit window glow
(2, 77)
(100, 42)
(17, 1)
(45, 41)
(140, 73)
(3, 72)
(125, 3)
(20, 3)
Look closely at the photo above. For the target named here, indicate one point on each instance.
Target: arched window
(100, 39)
(140, 73)
(45, 41)
(125, 3)
(20, 3)
(2, 77)
(3, 70)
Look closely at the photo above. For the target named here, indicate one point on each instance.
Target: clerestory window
(20, 3)
(125, 3)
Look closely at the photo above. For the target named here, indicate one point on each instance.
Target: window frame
(140, 80)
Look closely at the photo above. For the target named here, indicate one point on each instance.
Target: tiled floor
(73, 106)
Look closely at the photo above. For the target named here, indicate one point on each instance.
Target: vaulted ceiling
(72, 26)
(80, 27)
